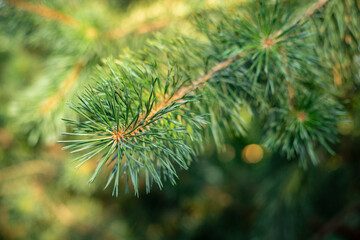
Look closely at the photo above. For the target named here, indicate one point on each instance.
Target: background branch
(45, 12)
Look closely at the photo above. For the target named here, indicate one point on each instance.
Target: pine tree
(275, 81)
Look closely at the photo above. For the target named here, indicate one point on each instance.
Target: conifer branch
(224, 64)
(45, 12)
(151, 26)
(177, 97)
(269, 41)
(135, 129)
(66, 85)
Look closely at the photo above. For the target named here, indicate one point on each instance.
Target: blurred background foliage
(48, 51)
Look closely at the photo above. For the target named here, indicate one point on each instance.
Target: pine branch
(51, 14)
(135, 129)
(157, 24)
(51, 102)
(268, 42)
(45, 12)
(308, 13)
(337, 39)
(185, 90)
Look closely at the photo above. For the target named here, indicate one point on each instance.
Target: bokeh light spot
(252, 153)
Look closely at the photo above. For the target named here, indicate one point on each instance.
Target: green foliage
(133, 128)
(66, 37)
(247, 129)
(272, 44)
(297, 130)
(337, 30)
(254, 57)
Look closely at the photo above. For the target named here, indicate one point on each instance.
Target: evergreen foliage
(271, 57)
(272, 83)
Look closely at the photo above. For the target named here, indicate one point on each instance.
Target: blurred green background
(243, 192)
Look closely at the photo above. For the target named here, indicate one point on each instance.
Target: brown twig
(53, 100)
(45, 12)
(319, 4)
